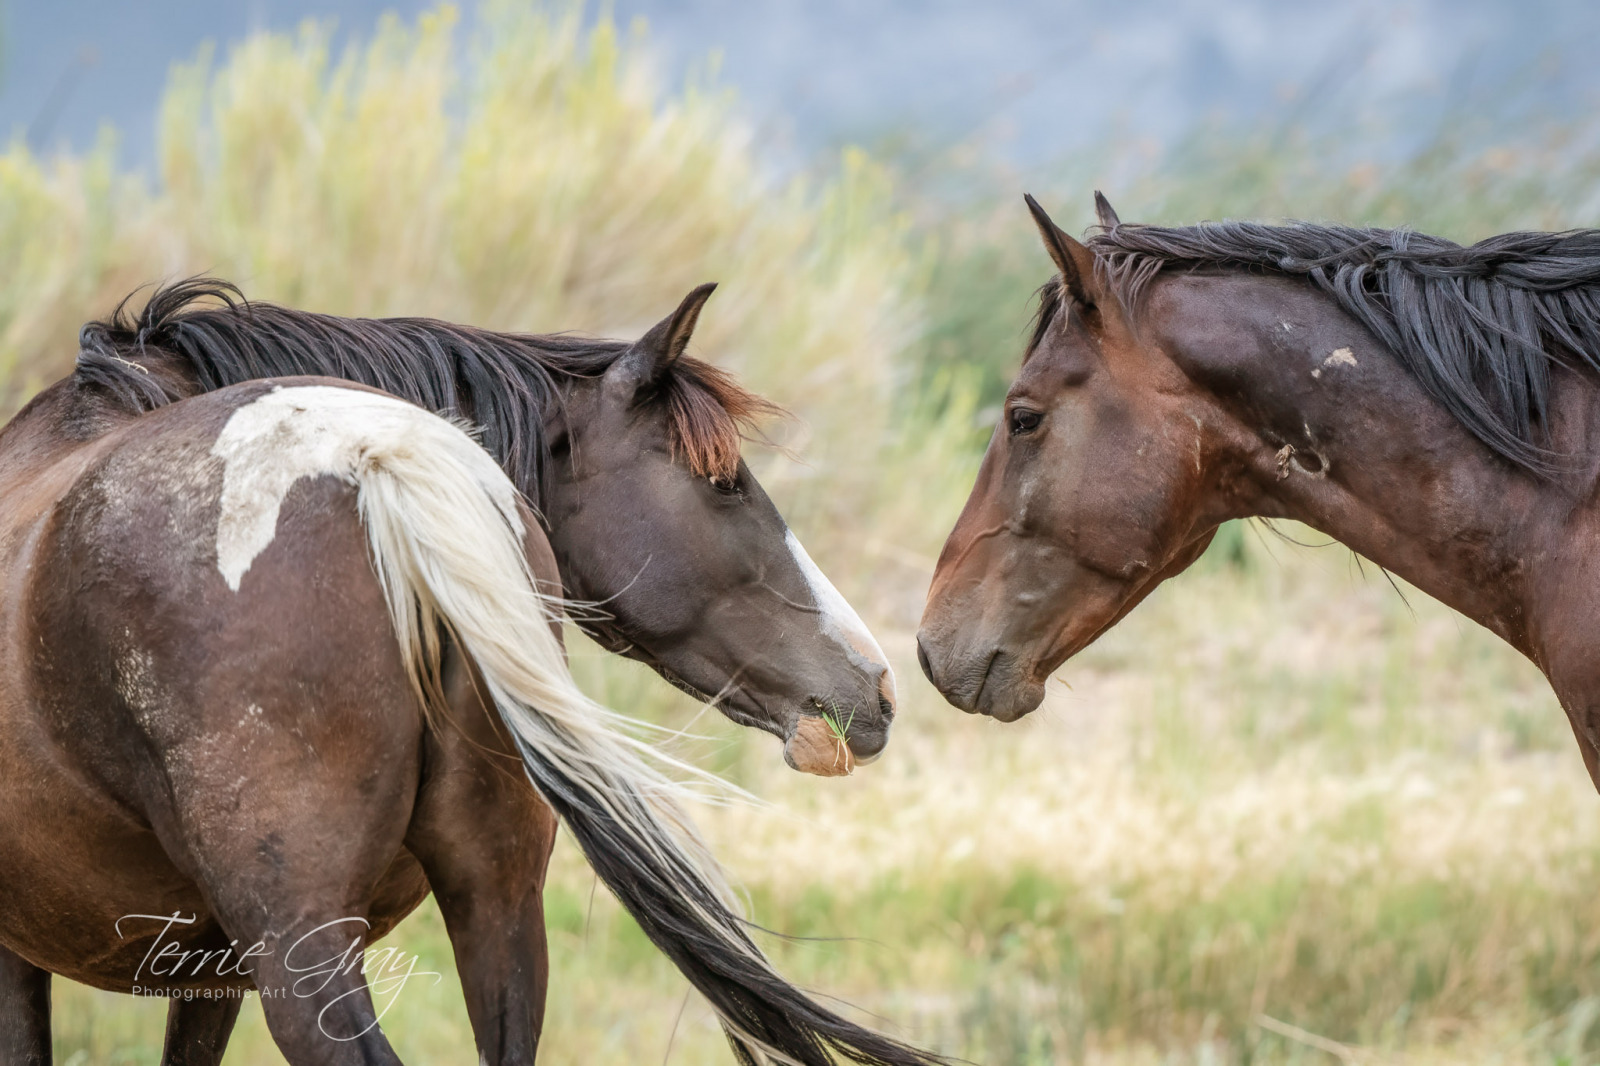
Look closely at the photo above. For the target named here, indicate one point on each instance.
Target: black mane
(1478, 325)
(503, 383)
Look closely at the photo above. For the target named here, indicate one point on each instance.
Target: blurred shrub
(530, 177)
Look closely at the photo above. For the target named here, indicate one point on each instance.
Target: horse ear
(1072, 259)
(653, 354)
(1102, 208)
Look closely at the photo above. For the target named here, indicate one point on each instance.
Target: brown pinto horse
(281, 657)
(1435, 407)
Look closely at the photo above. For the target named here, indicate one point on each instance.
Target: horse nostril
(885, 707)
(922, 661)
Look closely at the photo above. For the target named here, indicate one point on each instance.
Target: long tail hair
(445, 532)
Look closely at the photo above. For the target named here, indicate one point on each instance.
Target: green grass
(1276, 811)
(839, 725)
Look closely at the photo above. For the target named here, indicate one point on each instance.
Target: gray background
(1031, 80)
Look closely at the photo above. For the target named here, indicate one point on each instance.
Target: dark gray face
(700, 578)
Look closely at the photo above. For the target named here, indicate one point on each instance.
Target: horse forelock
(502, 382)
(1477, 325)
(711, 415)
(1051, 299)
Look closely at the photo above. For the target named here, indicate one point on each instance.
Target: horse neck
(1332, 431)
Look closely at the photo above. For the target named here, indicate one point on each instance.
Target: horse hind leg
(198, 1030)
(294, 879)
(489, 885)
(24, 1012)
(297, 878)
(296, 884)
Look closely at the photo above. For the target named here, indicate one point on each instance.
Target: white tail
(446, 537)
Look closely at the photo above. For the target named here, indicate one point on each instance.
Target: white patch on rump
(839, 619)
(288, 434)
(1341, 357)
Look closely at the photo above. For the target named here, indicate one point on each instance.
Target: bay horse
(1434, 407)
(281, 655)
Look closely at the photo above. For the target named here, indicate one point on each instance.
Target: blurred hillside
(1033, 79)
(1276, 816)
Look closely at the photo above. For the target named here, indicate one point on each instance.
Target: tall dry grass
(1276, 816)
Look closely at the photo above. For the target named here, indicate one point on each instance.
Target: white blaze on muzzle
(840, 621)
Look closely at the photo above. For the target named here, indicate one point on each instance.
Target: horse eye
(1024, 421)
(728, 486)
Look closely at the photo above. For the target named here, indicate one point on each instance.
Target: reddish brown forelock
(711, 415)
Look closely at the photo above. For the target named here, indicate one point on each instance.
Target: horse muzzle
(833, 745)
(988, 681)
